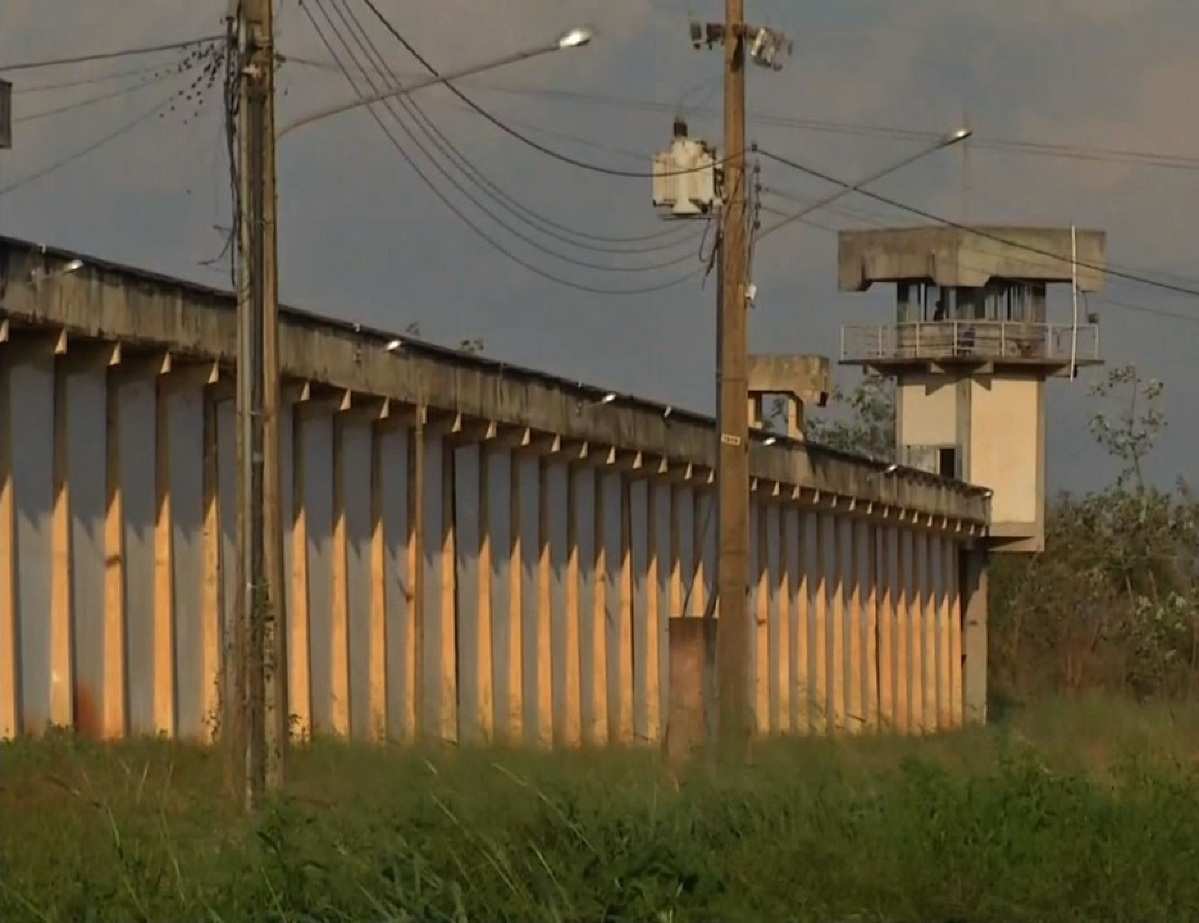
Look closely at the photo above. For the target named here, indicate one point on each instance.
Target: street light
(38, 275)
(577, 37)
(949, 140)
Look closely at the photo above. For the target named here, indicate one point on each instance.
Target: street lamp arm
(575, 38)
(948, 141)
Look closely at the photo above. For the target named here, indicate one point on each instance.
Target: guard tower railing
(966, 340)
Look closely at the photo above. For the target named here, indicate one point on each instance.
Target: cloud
(362, 236)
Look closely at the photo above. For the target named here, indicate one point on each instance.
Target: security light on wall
(37, 275)
(609, 398)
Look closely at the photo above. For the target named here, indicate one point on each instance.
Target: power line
(86, 81)
(108, 55)
(1069, 151)
(1143, 309)
(458, 212)
(445, 173)
(640, 156)
(986, 235)
(84, 103)
(91, 148)
(492, 190)
(1103, 154)
(882, 221)
(879, 221)
(524, 139)
(628, 153)
(860, 129)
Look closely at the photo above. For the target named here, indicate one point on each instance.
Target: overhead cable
(459, 213)
(978, 232)
(453, 181)
(1070, 151)
(525, 139)
(86, 81)
(84, 103)
(91, 148)
(493, 190)
(108, 55)
(879, 221)
(859, 129)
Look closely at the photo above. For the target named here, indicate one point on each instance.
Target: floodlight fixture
(576, 37)
(956, 137)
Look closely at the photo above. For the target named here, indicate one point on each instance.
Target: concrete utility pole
(733, 635)
(258, 713)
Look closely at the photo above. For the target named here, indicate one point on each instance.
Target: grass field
(1085, 810)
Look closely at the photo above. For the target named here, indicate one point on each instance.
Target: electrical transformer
(685, 177)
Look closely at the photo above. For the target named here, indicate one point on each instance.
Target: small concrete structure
(971, 348)
(799, 380)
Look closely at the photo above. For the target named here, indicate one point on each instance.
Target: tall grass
(1068, 811)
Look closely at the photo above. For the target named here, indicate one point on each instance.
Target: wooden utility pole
(733, 634)
(258, 726)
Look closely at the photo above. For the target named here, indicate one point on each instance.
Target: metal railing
(968, 339)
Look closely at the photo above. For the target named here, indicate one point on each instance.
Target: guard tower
(971, 348)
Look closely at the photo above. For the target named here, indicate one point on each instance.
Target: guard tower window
(924, 302)
(972, 304)
(910, 302)
(947, 462)
(1015, 301)
(1006, 301)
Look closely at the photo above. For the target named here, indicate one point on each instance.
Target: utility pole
(733, 634)
(258, 713)
(691, 198)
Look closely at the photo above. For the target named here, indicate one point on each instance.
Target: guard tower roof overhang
(970, 257)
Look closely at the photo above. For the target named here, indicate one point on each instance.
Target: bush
(1113, 603)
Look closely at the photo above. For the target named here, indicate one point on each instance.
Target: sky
(363, 238)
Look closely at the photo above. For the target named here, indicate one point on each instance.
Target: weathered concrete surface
(806, 378)
(474, 552)
(145, 312)
(690, 640)
(952, 256)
